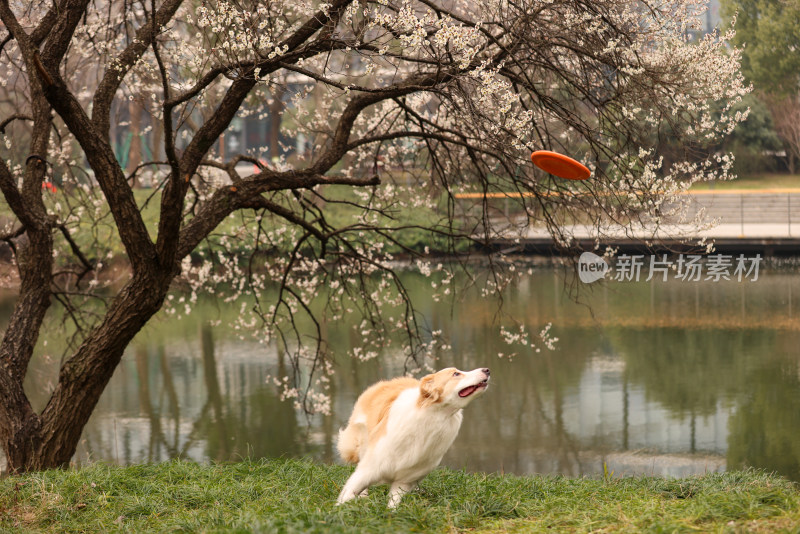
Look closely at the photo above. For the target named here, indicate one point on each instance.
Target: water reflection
(665, 378)
(168, 401)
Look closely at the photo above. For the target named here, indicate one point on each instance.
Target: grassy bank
(298, 496)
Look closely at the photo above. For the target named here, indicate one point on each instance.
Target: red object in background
(49, 186)
(560, 165)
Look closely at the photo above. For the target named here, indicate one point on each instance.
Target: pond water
(669, 378)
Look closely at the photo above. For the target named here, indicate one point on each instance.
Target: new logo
(591, 267)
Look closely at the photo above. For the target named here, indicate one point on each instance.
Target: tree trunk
(50, 440)
(20, 426)
(22, 431)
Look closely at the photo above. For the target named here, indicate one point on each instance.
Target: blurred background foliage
(768, 31)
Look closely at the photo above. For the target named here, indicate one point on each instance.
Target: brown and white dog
(400, 429)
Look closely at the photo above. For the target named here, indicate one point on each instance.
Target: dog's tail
(351, 440)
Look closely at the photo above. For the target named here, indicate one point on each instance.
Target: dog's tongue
(467, 391)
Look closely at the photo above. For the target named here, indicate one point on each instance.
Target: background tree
(405, 103)
(770, 29)
(755, 142)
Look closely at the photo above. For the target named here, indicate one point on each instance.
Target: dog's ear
(428, 392)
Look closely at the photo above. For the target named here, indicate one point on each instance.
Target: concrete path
(750, 213)
(763, 222)
(729, 231)
(740, 214)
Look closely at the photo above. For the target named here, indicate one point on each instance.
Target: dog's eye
(456, 373)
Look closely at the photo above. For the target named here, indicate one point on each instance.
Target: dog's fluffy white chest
(416, 437)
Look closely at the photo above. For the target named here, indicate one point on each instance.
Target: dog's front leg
(397, 491)
(356, 485)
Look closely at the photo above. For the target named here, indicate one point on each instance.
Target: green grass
(760, 181)
(298, 496)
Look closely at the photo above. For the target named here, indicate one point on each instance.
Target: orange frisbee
(560, 165)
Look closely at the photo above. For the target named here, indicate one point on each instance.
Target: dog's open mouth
(469, 390)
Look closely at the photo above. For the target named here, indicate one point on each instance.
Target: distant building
(710, 20)
(712, 17)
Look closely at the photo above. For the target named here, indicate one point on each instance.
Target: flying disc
(560, 165)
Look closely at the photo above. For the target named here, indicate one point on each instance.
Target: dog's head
(453, 388)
